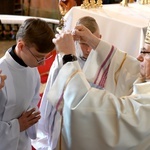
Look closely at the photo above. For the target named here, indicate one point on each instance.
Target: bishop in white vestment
(102, 118)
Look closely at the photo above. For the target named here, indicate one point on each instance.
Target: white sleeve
(98, 116)
(9, 131)
(32, 131)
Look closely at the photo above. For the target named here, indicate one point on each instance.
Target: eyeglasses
(42, 59)
(144, 51)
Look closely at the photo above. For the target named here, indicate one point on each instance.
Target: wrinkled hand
(64, 43)
(2, 79)
(28, 118)
(84, 35)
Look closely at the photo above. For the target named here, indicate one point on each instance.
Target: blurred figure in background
(66, 5)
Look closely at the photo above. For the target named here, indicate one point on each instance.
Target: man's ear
(20, 45)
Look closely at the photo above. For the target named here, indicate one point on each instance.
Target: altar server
(113, 118)
(20, 95)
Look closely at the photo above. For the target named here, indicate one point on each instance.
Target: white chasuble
(97, 119)
(84, 109)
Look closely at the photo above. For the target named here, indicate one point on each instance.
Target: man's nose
(140, 58)
(88, 49)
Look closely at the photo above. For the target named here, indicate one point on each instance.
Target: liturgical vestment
(114, 117)
(20, 93)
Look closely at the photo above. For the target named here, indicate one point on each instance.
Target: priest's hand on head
(84, 35)
(28, 118)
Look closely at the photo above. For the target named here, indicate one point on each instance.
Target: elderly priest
(115, 117)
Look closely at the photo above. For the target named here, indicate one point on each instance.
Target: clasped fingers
(28, 119)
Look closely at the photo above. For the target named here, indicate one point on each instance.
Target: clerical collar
(15, 57)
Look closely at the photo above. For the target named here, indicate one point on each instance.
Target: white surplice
(115, 117)
(20, 93)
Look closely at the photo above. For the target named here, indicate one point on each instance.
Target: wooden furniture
(9, 25)
(12, 7)
(18, 7)
(7, 6)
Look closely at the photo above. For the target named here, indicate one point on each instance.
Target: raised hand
(64, 43)
(84, 35)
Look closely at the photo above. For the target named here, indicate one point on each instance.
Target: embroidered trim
(102, 75)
